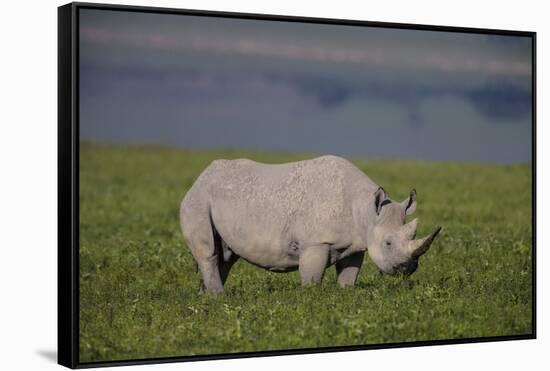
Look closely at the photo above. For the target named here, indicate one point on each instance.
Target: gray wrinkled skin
(304, 215)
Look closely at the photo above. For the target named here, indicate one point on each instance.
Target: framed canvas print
(237, 185)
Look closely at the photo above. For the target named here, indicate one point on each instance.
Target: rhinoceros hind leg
(312, 263)
(348, 268)
(200, 240)
(202, 288)
(211, 280)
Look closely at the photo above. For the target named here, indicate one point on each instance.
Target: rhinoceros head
(391, 243)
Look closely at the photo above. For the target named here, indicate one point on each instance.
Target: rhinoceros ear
(379, 198)
(409, 205)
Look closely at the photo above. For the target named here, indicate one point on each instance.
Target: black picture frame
(68, 182)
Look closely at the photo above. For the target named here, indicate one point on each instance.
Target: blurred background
(206, 82)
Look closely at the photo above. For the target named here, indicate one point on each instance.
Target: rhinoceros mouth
(407, 268)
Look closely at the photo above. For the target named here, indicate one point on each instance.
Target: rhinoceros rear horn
(408, 231)
(419, 247)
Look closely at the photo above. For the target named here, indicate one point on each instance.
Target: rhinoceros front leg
(312, 263)
(348, 268)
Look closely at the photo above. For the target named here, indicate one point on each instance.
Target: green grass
(138, 286)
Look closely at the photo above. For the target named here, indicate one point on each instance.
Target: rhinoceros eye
(387, 243)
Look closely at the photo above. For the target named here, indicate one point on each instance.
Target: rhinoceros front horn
(419, 247)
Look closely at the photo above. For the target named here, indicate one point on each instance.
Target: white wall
(28, 165)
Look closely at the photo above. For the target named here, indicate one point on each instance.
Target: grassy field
(138, 286)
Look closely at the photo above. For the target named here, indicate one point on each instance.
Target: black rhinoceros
(304, 215)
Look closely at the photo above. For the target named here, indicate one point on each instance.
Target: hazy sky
(192, 81)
